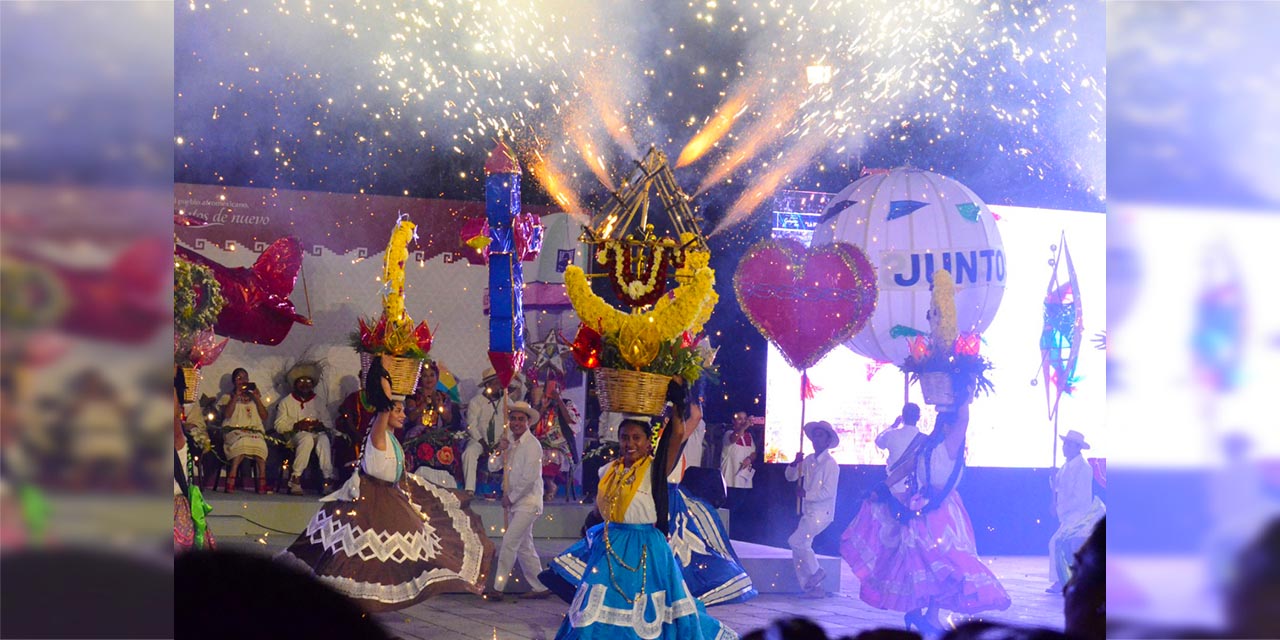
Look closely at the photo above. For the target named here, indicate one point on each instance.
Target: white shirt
(731, 461)
(521, 466)
(693, 446)
(940, 466)
(821, 479)
(479, 412)
(380, 464)
(896, 442)
(642, 509)
(290, 410)
(1074, 489)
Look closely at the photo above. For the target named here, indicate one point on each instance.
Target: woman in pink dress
(914, 552)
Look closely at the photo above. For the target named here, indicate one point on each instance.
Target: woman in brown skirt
(388, 539)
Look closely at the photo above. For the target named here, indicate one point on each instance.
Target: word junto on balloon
(902, 270)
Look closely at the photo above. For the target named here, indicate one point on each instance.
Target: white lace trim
(338, 536)
(384, 593)
(739, 585)
(571, 563)
(595, 611)
(707, 526)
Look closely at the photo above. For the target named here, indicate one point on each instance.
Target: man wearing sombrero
(519, 457)
(486, 422)
(304, 416)
(1076, 507)
(819, 478)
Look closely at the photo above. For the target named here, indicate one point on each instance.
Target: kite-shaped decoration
(1061, 336)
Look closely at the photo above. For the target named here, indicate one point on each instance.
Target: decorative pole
(506, 275)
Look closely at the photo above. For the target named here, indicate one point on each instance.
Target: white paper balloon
(910, 223)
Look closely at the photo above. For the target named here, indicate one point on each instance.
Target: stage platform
(466, 617)
(270, 523)
(250, 514)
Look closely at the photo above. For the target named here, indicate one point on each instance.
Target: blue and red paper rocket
(506, 275)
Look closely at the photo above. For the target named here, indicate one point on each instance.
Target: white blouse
(245, 414)
(642, 509)
(380, 464)
(940, 467)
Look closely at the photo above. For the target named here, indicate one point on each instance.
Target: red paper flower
(445, 456)
(919, 347)
(426, 452)
(423, 337)
(968, 344)
(372, 337)
(587, 347)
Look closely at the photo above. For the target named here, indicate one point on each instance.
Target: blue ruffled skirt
(661, 604)
(701, 546)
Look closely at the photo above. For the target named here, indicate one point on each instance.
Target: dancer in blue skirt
(698, 539)
(632, 584)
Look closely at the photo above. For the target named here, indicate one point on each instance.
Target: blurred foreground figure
(1085, 595)
(226, 594)
(1253, 600)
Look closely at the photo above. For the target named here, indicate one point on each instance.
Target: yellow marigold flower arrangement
(658, 340)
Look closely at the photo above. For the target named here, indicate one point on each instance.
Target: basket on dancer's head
(405, 349)
(627, 391)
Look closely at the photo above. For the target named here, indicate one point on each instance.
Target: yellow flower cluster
(399, 336)
(640, 335)
(942, 319)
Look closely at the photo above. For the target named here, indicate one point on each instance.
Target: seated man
(485, 422)
(303, 415)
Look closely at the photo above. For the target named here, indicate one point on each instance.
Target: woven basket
(191, 376)
(937, 389)
(404, 374)
(625, 391)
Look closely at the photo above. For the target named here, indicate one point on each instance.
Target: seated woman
(243, 417)
(351, 544)
(632, 586)
(710, 566)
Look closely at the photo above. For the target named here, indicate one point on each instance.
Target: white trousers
(801, 542)
(470, 464)
(517, 544)
(304, 442)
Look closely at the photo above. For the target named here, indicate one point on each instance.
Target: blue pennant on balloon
(836, 209)
(904, 208)
(969, 211)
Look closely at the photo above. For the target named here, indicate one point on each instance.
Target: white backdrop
(448, 296)
(1009, 428)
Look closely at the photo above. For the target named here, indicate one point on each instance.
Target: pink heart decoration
(806, 301)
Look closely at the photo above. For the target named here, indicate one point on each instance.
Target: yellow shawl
(619, 486)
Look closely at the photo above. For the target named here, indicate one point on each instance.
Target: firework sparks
(720, 123)
(340, 96)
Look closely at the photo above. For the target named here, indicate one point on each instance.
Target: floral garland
(197, 298)
(632, 288)
(394, 332)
